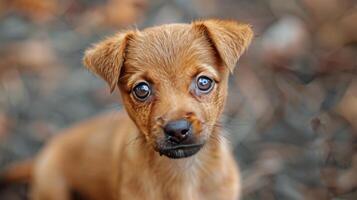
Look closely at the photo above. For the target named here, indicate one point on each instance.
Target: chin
(178, 151)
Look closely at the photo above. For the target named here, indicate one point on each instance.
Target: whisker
(135, 139)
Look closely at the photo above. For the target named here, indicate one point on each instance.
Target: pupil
(142, 90)
(204, 83)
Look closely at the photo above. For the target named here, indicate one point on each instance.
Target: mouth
(180, 151)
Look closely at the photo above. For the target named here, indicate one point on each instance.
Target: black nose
(178, 131)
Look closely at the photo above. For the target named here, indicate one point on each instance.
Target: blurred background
(292, 109)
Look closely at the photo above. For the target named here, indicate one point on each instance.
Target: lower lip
(182, 151)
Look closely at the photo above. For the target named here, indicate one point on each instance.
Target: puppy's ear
(107, 57)
(229, 38)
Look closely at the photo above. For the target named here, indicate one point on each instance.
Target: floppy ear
(229, 38)
(107, 57)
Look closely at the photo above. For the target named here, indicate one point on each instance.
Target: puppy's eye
(142, 91)
(204, 84)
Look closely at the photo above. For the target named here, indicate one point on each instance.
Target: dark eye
(204, 84)
(142, 91)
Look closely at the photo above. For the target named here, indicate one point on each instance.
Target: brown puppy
(173, 83)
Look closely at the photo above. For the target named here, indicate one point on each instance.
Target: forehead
(168, 49)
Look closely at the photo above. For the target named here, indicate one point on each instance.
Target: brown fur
(114, 156)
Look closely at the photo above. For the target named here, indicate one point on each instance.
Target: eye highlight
(204, 84)
(141, 91)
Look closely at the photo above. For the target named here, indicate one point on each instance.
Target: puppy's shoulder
(93, 132)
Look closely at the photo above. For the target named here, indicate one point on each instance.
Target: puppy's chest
(193, 192)
(150, 188)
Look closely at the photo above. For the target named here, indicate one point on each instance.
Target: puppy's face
(173, 79)
(173, 88)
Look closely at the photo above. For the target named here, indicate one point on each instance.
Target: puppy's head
(173, 79)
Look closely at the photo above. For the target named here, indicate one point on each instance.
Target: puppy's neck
(187, 174)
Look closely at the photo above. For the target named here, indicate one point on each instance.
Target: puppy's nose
(177, 131)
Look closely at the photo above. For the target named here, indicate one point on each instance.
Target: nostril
(171, 139)
(184, 132)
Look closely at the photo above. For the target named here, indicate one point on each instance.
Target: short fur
(114, 156)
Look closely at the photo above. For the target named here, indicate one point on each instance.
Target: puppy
(168, 144)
